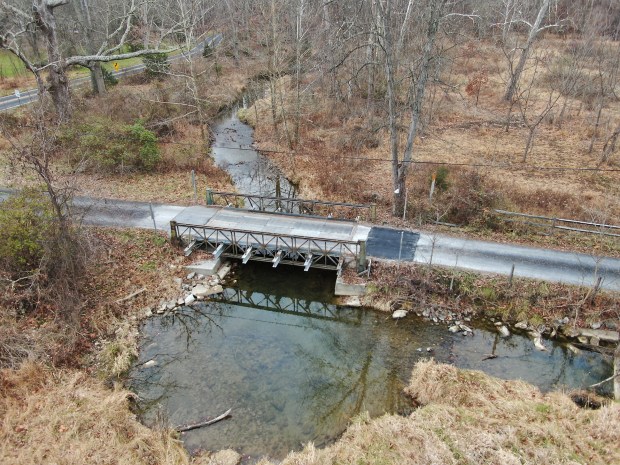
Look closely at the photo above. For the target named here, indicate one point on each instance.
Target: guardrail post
(373, 212)
(174, 237)
(209, 197)
(361, 257)
(553, 225)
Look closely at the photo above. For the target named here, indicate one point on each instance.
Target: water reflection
(295, 368)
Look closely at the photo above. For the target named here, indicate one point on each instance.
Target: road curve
(385, 243)
(11, 102)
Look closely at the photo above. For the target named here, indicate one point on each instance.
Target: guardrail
(292, 205)
(552, 223)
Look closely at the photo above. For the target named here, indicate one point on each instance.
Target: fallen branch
(182, 429)
(488, 357)
(604, 381)
(131, 296)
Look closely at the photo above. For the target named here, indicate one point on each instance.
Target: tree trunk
(516, 74)
(96, 77)
(617, 374)
(58, 82)
(529, 144)
(418, 100)
(391, 97)
(610, 145)
(596, 125)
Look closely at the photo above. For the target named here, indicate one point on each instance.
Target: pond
(294, 367)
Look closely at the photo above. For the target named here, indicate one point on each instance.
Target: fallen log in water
(183, 428)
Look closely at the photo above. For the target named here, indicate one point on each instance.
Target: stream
(296, 368)
(293, 366)
(251, 172)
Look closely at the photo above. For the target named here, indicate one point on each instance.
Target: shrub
(441, 178)
(148, 152)
(102, 145)
(109, 78)
(207, 51)
(156, 64)
(25, 221)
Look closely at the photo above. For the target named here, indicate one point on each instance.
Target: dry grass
(66, 417)
(467, 417)
(463, 293)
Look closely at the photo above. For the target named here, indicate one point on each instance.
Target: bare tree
(401, 163)
(513, 15)
(43, 15)
(532, 107)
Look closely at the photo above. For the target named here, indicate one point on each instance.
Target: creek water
(250, 171)
(295, 368)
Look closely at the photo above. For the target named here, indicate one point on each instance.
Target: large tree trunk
(58, 88)
(58, 81)
(96, 76)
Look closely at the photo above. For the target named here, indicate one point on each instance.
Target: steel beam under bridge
(272, 237)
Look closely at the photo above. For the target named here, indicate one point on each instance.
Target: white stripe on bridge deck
(273, 223)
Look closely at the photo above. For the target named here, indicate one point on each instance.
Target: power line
(504, 166)
(426, 162)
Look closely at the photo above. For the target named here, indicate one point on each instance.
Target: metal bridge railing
(271, 247)
(293, 205)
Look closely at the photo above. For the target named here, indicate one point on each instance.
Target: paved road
(418, 247)
(11, 101)
(492, 257)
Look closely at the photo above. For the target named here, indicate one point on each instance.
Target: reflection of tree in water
(341, 389)
(517, 358)
(150, 383)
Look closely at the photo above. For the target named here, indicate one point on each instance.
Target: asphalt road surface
(493, 257)
(27, 96)
(385, 243)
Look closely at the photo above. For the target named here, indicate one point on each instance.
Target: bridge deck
(278, 238)
(273, 223)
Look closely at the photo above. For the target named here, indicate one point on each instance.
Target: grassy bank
(63, 402)
(467, 417)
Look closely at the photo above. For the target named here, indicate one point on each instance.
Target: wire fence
(551, 223)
